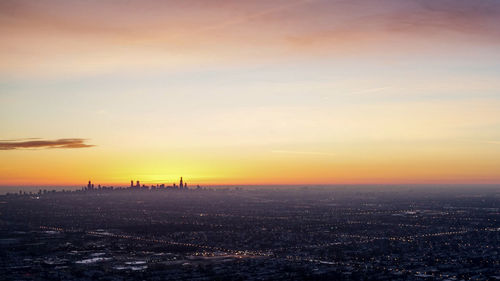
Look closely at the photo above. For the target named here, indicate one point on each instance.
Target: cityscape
(261, 140)
(266, 233)
(137, 186)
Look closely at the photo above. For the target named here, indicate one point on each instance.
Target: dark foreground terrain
(351, 233)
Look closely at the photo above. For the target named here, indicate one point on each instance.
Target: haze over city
(250, 140)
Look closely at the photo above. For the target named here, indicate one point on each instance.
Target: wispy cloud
(492, 142)
(371, 90)
(43, 144)
(303, 152)
(247, 18)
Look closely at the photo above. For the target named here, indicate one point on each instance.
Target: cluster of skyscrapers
(90, 186)
(137, 185)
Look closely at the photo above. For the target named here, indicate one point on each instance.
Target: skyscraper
(131, 183)
(137, 184)
(181, 185)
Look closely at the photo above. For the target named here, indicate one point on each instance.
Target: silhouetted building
(89, 185)
(131, 183)
(137, 184)
(181, 185)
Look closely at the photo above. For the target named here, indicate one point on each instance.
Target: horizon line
(273, 184)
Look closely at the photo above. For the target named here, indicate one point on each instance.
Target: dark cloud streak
(43, 144)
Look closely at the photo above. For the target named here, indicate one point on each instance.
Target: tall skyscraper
(89, 185)
(137, 184)
(132, 183)
(181, 185)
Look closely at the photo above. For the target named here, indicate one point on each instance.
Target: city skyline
(250, 140)
(250, 92)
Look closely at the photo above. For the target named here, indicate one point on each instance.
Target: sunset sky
(249, 92)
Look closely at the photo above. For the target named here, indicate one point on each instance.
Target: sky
(250, 92)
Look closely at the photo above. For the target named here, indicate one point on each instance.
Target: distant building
(137, 184)
(132, 183)
(181, 185)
